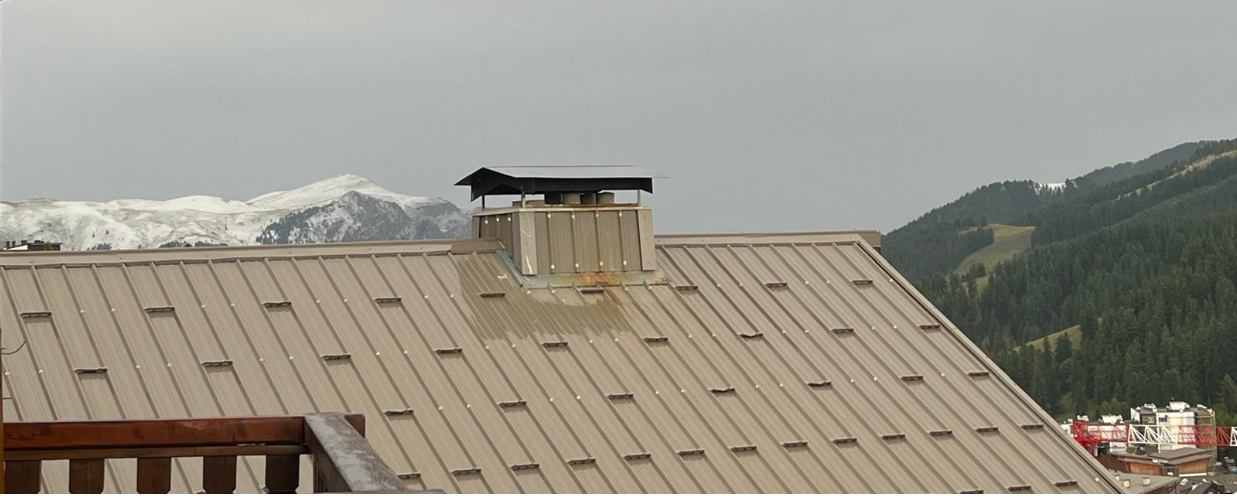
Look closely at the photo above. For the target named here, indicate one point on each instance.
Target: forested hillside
(935, 243)
(1142, 259)
(1160, 160)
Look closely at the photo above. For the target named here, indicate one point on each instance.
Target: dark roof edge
(426, 246)
(247, 252)
(871, 236)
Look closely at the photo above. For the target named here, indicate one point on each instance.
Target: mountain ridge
(341, 208)
(1140, 262)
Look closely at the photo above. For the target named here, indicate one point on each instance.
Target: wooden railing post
(343, 460)
(86, 476)
(154, 475)
(22, 477)
(283, 473)
(219, 474)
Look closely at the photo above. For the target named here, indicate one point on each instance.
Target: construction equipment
(1092, 434)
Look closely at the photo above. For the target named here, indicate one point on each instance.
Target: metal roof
(1146, 484)
(794, 363)
(1181, 455)
(513, 180)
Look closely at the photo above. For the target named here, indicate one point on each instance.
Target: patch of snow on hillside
(1051, 186)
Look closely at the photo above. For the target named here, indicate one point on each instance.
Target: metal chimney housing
(577, 234)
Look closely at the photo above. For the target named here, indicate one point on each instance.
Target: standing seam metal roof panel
(762, 366)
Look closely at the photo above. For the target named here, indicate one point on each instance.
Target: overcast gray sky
(776, 115)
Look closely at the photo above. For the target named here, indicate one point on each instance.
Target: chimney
(577, 234)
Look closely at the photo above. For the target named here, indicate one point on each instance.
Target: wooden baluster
(22, 477)
(283, 473)
(219, 474)
(154, 475)
(86, 476)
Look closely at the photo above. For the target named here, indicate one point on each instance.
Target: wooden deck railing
(343, 461)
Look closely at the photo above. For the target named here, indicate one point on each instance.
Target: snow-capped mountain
(343, 208)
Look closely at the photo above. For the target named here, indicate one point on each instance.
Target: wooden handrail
(343, 460)
(103, 434)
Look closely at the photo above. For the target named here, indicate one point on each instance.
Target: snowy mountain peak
(329, 189)
(346, 207)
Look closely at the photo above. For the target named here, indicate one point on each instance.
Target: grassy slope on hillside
(1008, 241)
(1074, 334)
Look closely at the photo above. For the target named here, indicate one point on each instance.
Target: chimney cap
(532, 180)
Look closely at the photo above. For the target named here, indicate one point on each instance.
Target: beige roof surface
(793, 363)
